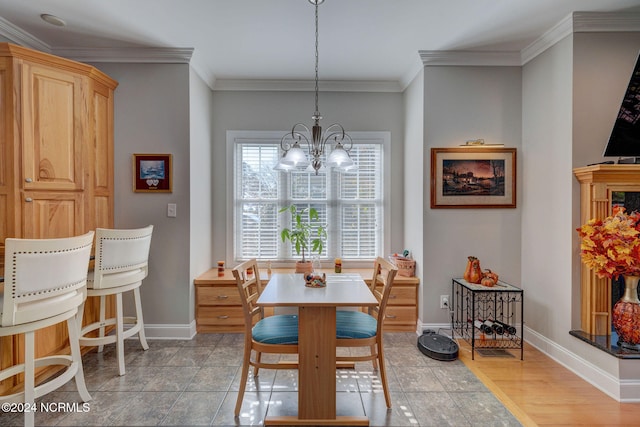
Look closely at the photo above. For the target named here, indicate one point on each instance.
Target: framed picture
(152, 173)
(473, 177)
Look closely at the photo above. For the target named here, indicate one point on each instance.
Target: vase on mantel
(626, 315)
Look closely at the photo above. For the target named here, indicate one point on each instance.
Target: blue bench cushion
(355, 324)
(282, 329)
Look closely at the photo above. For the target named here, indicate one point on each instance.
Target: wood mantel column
(597, 183)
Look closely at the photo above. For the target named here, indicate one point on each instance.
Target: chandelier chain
(317, 113)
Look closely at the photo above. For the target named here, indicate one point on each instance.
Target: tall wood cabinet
(56, 159)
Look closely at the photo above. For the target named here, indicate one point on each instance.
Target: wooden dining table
(316, 341)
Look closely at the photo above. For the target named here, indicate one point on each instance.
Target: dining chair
(359, 329)
(121, 263)
(276, 334)
(44, 285)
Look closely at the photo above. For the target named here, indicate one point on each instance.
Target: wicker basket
(406, 266)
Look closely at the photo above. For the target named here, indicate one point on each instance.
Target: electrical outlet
(444, 301)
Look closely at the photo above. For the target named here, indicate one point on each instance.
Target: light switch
(171, 210)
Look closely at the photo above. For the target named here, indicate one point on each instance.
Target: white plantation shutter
(350, 204)
(360, 205)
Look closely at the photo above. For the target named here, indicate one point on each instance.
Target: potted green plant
(307, 234)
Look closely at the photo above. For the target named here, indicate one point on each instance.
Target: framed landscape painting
(152, 173)
(473, 177)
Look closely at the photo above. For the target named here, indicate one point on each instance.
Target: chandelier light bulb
(339, 158)
(296, 156)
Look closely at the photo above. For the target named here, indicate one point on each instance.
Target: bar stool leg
(76, 357)
(139, 319)
(29, 378)
(102, 317)
(119, 334)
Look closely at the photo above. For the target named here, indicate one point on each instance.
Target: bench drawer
(223, 315)
(218, 295)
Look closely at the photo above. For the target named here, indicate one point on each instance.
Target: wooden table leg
(317, 363)
(317, 371)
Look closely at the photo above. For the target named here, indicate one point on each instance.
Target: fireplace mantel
(597, 183)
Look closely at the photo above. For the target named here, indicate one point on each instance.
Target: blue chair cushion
(355, 324)
(281, 329)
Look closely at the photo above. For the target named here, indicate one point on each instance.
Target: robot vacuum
(438, 347)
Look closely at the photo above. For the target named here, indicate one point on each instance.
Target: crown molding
(159, 55)
(306, 85)
(469, 58)
(20, 37)
(582, 22)
(591, 22)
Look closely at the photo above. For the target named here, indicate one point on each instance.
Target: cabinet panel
(103, 156)
(102, 216)
(51, 215)
(53, 131)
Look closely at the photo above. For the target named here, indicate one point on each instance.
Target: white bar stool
(121, 263)
(45, 282)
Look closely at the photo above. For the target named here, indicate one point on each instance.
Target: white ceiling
(360, 40)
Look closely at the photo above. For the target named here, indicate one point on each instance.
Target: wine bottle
(496, 328)
(484, 328)
(511, 330)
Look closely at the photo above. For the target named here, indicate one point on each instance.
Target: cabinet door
(99, 212)
(51, 214)
(53, 128)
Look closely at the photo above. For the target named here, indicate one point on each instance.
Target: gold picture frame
(152, 173)
(467, 178)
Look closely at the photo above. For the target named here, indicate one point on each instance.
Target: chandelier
(317, 142)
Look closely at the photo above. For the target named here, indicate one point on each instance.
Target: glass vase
(626, 315)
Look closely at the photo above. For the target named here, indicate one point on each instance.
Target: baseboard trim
(624, 391)
(170, 331)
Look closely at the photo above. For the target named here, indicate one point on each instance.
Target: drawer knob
(223, 296)
(28, 199)
(224, 316)
(28, 180)
(390, 316)
(393, 296)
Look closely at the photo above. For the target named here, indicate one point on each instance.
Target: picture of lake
(473, 177)
(152, 169)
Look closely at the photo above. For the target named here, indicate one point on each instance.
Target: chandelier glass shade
(316, 141)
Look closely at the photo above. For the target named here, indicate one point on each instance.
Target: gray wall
(201, 182)
(462, 103)
(415, 179)
(152, 116)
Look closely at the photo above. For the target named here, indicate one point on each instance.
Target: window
(350, 204)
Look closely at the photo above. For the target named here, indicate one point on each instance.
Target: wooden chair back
(250, 287)
(384, 273)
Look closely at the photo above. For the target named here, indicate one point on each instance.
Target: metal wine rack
(500, 304)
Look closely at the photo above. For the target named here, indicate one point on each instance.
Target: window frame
(271, 137)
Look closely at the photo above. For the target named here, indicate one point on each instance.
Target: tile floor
(195, 382)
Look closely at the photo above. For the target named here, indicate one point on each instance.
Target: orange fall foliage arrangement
(611, 246)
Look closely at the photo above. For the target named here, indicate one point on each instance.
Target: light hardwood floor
(539, 391)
